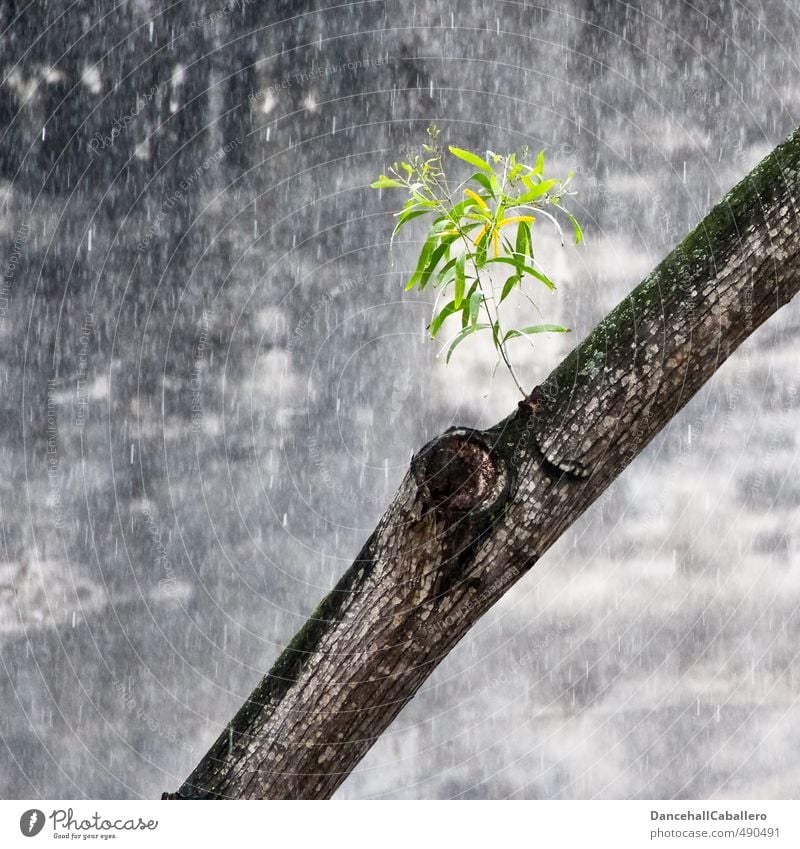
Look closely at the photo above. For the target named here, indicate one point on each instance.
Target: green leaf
(433, 261)
(501, 260)
(537, 191)
(443, 222)
(578, 231)
(529, 238)
(466, 226)
(526, 268)
(446, 274)
(541, 277)
(384, 182)
(544, 328)
(465, 304)
(460, 280)
(405, 217)
(480, 252)
(467, 331)
(441, 317)
(523, 240)
(538, 328)
(509, 285)
(457, 211)
(472, 158)
(474, 307)
(538, 168)
(519, 253)
(488, 183)
(424, 258)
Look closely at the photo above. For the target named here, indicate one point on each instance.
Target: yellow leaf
(517, 218)
(476, 197)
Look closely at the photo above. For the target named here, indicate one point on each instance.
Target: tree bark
(477, 509)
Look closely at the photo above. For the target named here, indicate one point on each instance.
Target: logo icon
(31, 822)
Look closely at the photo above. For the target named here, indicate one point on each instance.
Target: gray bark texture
(477, 509)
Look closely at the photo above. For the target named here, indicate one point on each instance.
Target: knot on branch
(533, 404)
(460, 472)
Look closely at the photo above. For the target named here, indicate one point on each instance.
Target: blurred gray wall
(211, 383)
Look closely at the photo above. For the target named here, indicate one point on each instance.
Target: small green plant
(482, 224)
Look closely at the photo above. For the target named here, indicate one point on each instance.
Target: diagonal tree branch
(477, 509)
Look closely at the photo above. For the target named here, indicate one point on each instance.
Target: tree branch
(478, 508)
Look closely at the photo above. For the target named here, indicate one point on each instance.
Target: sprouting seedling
(482, 224)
